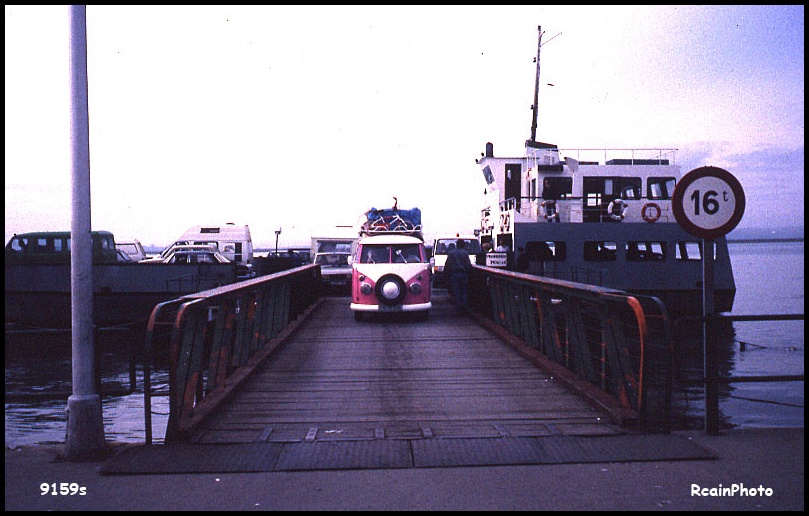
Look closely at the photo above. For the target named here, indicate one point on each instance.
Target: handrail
(743, 318)
(616, 342)
(218, 337)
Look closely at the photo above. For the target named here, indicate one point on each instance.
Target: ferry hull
(39, 295)
(673, 276)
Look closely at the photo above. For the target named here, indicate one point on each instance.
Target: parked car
(196, 254)
(133, 248)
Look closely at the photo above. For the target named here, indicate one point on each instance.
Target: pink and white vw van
(390, 273)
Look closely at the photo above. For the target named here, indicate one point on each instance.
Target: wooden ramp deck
(398, 378)
(398, 393)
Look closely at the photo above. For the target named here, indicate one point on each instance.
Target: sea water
(769, 280)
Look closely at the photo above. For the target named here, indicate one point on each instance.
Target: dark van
(53, 247)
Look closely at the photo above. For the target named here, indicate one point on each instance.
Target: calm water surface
(769, 279)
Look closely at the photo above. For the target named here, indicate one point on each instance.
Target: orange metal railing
(216, 338)
(616, 342)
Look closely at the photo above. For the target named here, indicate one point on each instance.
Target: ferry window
(690, 251)
(645, 251)
(532, 188)
(600, 251)
(660, 187)
(57, 245)
(209, 230)
(630, 188)
(555, 188)
(546, 251)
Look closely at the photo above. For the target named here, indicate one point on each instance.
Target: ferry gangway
(615, 347)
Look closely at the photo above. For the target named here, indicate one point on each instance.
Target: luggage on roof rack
(392, 220)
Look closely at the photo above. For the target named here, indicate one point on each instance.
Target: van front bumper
(417, 307)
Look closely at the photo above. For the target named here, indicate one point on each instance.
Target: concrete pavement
(760, 459)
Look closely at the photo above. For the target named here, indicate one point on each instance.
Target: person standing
(458, 267)
(522, 260)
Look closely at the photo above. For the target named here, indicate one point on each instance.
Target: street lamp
(277, 233)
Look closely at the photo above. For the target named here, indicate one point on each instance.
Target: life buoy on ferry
(655, 210)
(617, 209)
(549, 211)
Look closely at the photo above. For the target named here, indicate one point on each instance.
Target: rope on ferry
(766, 401)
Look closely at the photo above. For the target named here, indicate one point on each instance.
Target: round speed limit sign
(708, 202)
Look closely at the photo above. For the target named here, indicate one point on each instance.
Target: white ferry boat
(599, 216)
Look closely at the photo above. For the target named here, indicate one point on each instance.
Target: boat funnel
(489, 150)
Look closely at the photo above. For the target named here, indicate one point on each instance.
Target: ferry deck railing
(531, 206)
(617, 343)
(217, 337)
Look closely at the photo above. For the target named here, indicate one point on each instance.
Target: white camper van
(231, 240)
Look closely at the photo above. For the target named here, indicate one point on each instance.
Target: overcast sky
(304, 117)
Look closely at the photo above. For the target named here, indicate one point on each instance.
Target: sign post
(708, 202)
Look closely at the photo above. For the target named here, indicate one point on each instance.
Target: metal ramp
(399, 453)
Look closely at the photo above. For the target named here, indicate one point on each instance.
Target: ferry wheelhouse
(599, 216)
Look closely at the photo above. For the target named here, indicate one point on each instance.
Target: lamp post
(85, 427)
(277, 233)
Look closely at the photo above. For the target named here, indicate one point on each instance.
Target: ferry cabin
(601, 217)
(544, 187)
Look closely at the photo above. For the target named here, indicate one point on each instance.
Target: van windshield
(332, 259)
(391, 253)
(445, 245)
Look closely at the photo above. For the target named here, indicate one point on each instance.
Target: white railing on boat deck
(571, 209)
(639, 153)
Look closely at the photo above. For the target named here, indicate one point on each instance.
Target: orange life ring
(655, 208)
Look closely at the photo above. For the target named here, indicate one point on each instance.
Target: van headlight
(366, 289)
(415, 289)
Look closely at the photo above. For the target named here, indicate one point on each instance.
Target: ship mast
(534, 107)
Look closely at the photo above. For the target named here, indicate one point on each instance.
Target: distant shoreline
(762, 240)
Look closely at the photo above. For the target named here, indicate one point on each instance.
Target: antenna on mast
(536, 90)
(535, 106)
